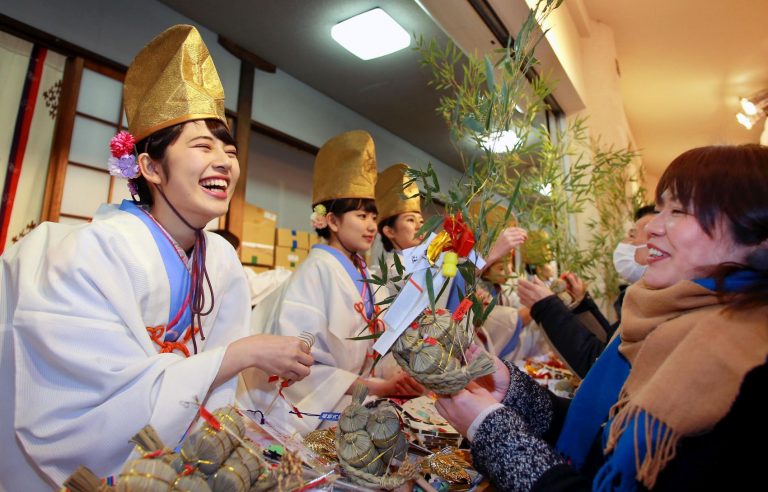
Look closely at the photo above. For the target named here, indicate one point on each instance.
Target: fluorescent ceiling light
(746, 121)
(501, 142)
(748, 106)
(371, 34)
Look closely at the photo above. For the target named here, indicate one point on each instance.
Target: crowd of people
(140, 316)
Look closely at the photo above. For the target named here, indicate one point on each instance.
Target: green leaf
(489, 75)
(398, 264)
(474, 125)
(375, 280)
(383, 267)
(372, 336)
(442, 289)
(430, 289)
(489, 308)
(430, 225)
(386, 301)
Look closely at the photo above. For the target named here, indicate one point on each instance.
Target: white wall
(287, 104)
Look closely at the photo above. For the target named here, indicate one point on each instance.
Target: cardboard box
(257, 254)
(313, 239)
(289, 258)
(292, 238)
(257, 246)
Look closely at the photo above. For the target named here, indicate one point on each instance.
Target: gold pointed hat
(345, 167)
(536, 250)
(389, 193)
(172, 80)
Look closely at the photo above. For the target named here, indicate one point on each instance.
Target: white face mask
(624, 261)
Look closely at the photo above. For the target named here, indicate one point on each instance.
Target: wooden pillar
(249, 62)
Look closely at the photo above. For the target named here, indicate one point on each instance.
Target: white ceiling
(684, 64)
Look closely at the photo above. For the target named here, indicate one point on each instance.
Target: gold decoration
(449, 464)
(172, 80)
(442, 241)
(536, 250)
(323, 443)
(391, 195)
(345, 167)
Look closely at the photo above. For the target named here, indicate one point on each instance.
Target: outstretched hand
(497, 383)
(461, 409)
(508, 239)
(532, 291)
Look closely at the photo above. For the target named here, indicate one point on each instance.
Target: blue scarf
(588, 414)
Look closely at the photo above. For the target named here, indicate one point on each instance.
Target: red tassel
(208, 417)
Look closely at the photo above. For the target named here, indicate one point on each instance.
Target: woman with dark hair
(136, 318)
(328, 295)
(674, 400)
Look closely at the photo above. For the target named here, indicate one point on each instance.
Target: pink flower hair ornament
(319, 217)
(122, 163)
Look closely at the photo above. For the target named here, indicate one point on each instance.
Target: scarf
(688, 358)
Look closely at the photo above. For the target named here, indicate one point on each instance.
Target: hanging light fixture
(754, 108)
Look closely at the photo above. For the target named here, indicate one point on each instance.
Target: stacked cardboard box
(257, 246)
(291, 248)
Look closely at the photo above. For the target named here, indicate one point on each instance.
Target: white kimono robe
(318, 298)
(79, 373)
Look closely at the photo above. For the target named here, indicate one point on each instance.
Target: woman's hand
(496, 383)
(576, 287)
(401, 384)
(532, 291)
(508, 239)
(461, 409)
(287, 357)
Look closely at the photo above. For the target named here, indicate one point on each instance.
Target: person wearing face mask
(630, 258)
(580, 334)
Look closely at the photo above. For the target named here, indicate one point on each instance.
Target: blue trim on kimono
(176, 271)
(458, 289)
(354, 274)
(514, 341)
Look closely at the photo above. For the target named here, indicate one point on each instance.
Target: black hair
(385, 241)
(158, 142)
(229, 236)
(340, 206)
(643, 211)
(727, 183)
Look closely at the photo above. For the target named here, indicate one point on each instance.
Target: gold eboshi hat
(345, 167)
(389, 193)
(535, 249)
(172, 80)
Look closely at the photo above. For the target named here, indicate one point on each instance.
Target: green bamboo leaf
(398, 265)
(383, 267)
(372, 336)
(442, 289)
(430, 289)
(388, 300)
(489, 79)
(430, 225)
(474, 125)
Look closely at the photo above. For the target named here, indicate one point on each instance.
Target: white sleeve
(87, 375)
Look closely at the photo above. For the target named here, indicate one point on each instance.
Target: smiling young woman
(111, 326)
(671, 397)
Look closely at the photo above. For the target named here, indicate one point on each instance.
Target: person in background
(328, 297)
(138, 317)
(580, 333)
(260, 284)
(678, 393)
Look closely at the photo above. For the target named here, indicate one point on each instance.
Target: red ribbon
(461, 311)
(462, 238)
(284, 384)
(208, 417)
